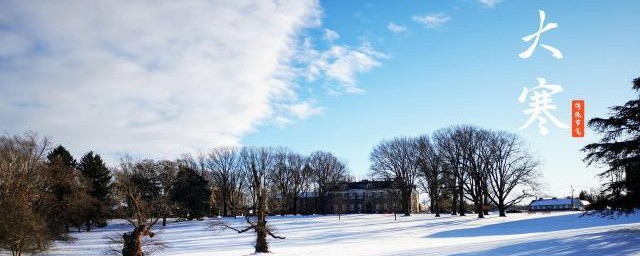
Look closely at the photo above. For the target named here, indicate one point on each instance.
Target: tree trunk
(261, 230)
(295, 205)
(234, 206)
(16, 250)
(461, 194)
(395, 215)
(316, 200)
(437, 207)
(432, 205)
(406, 203)
(224, 204)
(502, 209)
(478, 197)
(132, 243)
(454, 202)
(284, 206)
(323, 201)
(485, 203)
(261, 240)
(88, 225)
(164, 220)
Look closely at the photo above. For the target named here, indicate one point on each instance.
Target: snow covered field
(420, 234)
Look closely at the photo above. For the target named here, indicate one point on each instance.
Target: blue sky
(159, 79)
(467, 71)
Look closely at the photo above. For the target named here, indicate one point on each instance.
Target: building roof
(557, 201)
(365, 184)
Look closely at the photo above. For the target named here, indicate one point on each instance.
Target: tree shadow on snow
(543, 224)
(617, 242)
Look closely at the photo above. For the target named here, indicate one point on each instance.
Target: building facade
(350, 197)
(369, 197)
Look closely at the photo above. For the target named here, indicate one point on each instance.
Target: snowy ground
(420, 234)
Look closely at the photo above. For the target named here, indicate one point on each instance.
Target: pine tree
(191, 193)
(98, 178)
(60, 155)
(61, 166)
(619, 148)
(62, 184)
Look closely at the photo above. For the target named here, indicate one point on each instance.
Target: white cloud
(396, 28)
(340, 65)
(489, 3)
(432, 20)
(305, 109)
(330, 35)
(158, 78)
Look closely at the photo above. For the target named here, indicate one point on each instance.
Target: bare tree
(326, 172)
(281, 178)
(512, 167)
(397, 160)
(300, 178)
(138, 188)
(260, 164)
(476, 163)
(168, 170)
(448, 141)
(23, 194)
(290, 179)
(223, 163)
(431, 169)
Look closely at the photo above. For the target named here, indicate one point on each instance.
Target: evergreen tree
(60, 155)
(62, 166)
(191, 193)
(98, 178)
(619, 148)
(61, 182)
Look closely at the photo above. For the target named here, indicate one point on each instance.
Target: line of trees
(39, 185)
(457, 164)
(290, 176)
(45, 193)
(272, 180)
